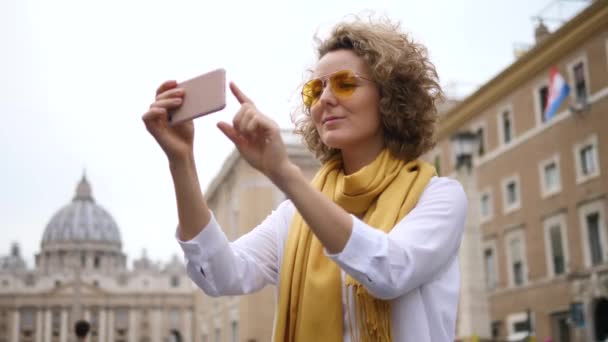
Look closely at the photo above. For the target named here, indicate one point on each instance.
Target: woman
(368, 251)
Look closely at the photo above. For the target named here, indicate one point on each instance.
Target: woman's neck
(355, 158)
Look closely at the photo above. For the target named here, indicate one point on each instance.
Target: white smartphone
(204, 94)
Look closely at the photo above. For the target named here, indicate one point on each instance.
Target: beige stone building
(535, 255)
(81, 273)
(241, 197)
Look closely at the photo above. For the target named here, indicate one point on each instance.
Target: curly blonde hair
(407, 80)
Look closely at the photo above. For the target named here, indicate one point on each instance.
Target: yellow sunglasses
(343, 84)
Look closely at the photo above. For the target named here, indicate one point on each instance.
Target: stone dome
(82, 221)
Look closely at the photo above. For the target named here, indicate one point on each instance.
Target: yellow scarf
(310, 291)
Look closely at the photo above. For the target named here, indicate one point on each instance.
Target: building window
(580, 80)
(489, 262)
(486, 206)
(97, 262)
(481, 142)
(592, 220)
(550, 176)
(62, 259)
(557, 249)
(587, 161)
(518, 267)
(593, 233)
(511, 194)
(121, 324)
(174, 281)
(518, 326)
(174, 317)
(30, 280)
(506, 126)
(27, 323)
(55, 322)
(580, 85)
(517, 260)
(94, 321)
(479, 129)
(235, 331)
(543, 94)
(122, 279)
(144, 319)
(556, 244)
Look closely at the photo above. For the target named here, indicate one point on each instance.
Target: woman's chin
(333, 143)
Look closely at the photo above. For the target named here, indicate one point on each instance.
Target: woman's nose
(327, 96)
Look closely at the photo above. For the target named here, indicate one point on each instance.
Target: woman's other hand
(257, 137)
(176, 141)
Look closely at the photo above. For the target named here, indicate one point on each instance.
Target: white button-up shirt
(414, 266)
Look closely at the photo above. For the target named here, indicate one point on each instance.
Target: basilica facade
(81, 272)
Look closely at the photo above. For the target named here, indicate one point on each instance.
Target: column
(87, 315)
(39, 325)
(156, 322)
(589, 323)
(187, 325)
(102, 325)
(15, 326)
(48, 329)
(110, 324)
(63, 333)
(133, 325)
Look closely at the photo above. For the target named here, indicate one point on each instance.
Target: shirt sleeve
(415, 251)
(220, 267)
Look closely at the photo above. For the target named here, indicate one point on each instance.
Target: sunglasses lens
(311, 92)
(343, 83)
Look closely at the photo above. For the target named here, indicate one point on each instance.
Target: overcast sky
(76, 76)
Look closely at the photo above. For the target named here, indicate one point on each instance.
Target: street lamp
(463, 147)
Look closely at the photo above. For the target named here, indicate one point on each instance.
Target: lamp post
(463, 147)
(474, 315)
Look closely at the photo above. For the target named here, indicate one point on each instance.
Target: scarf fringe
(372, 316)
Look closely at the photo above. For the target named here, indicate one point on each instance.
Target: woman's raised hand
(176, 141)
(257, 137)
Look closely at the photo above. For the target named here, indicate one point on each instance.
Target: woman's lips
(330, 119)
